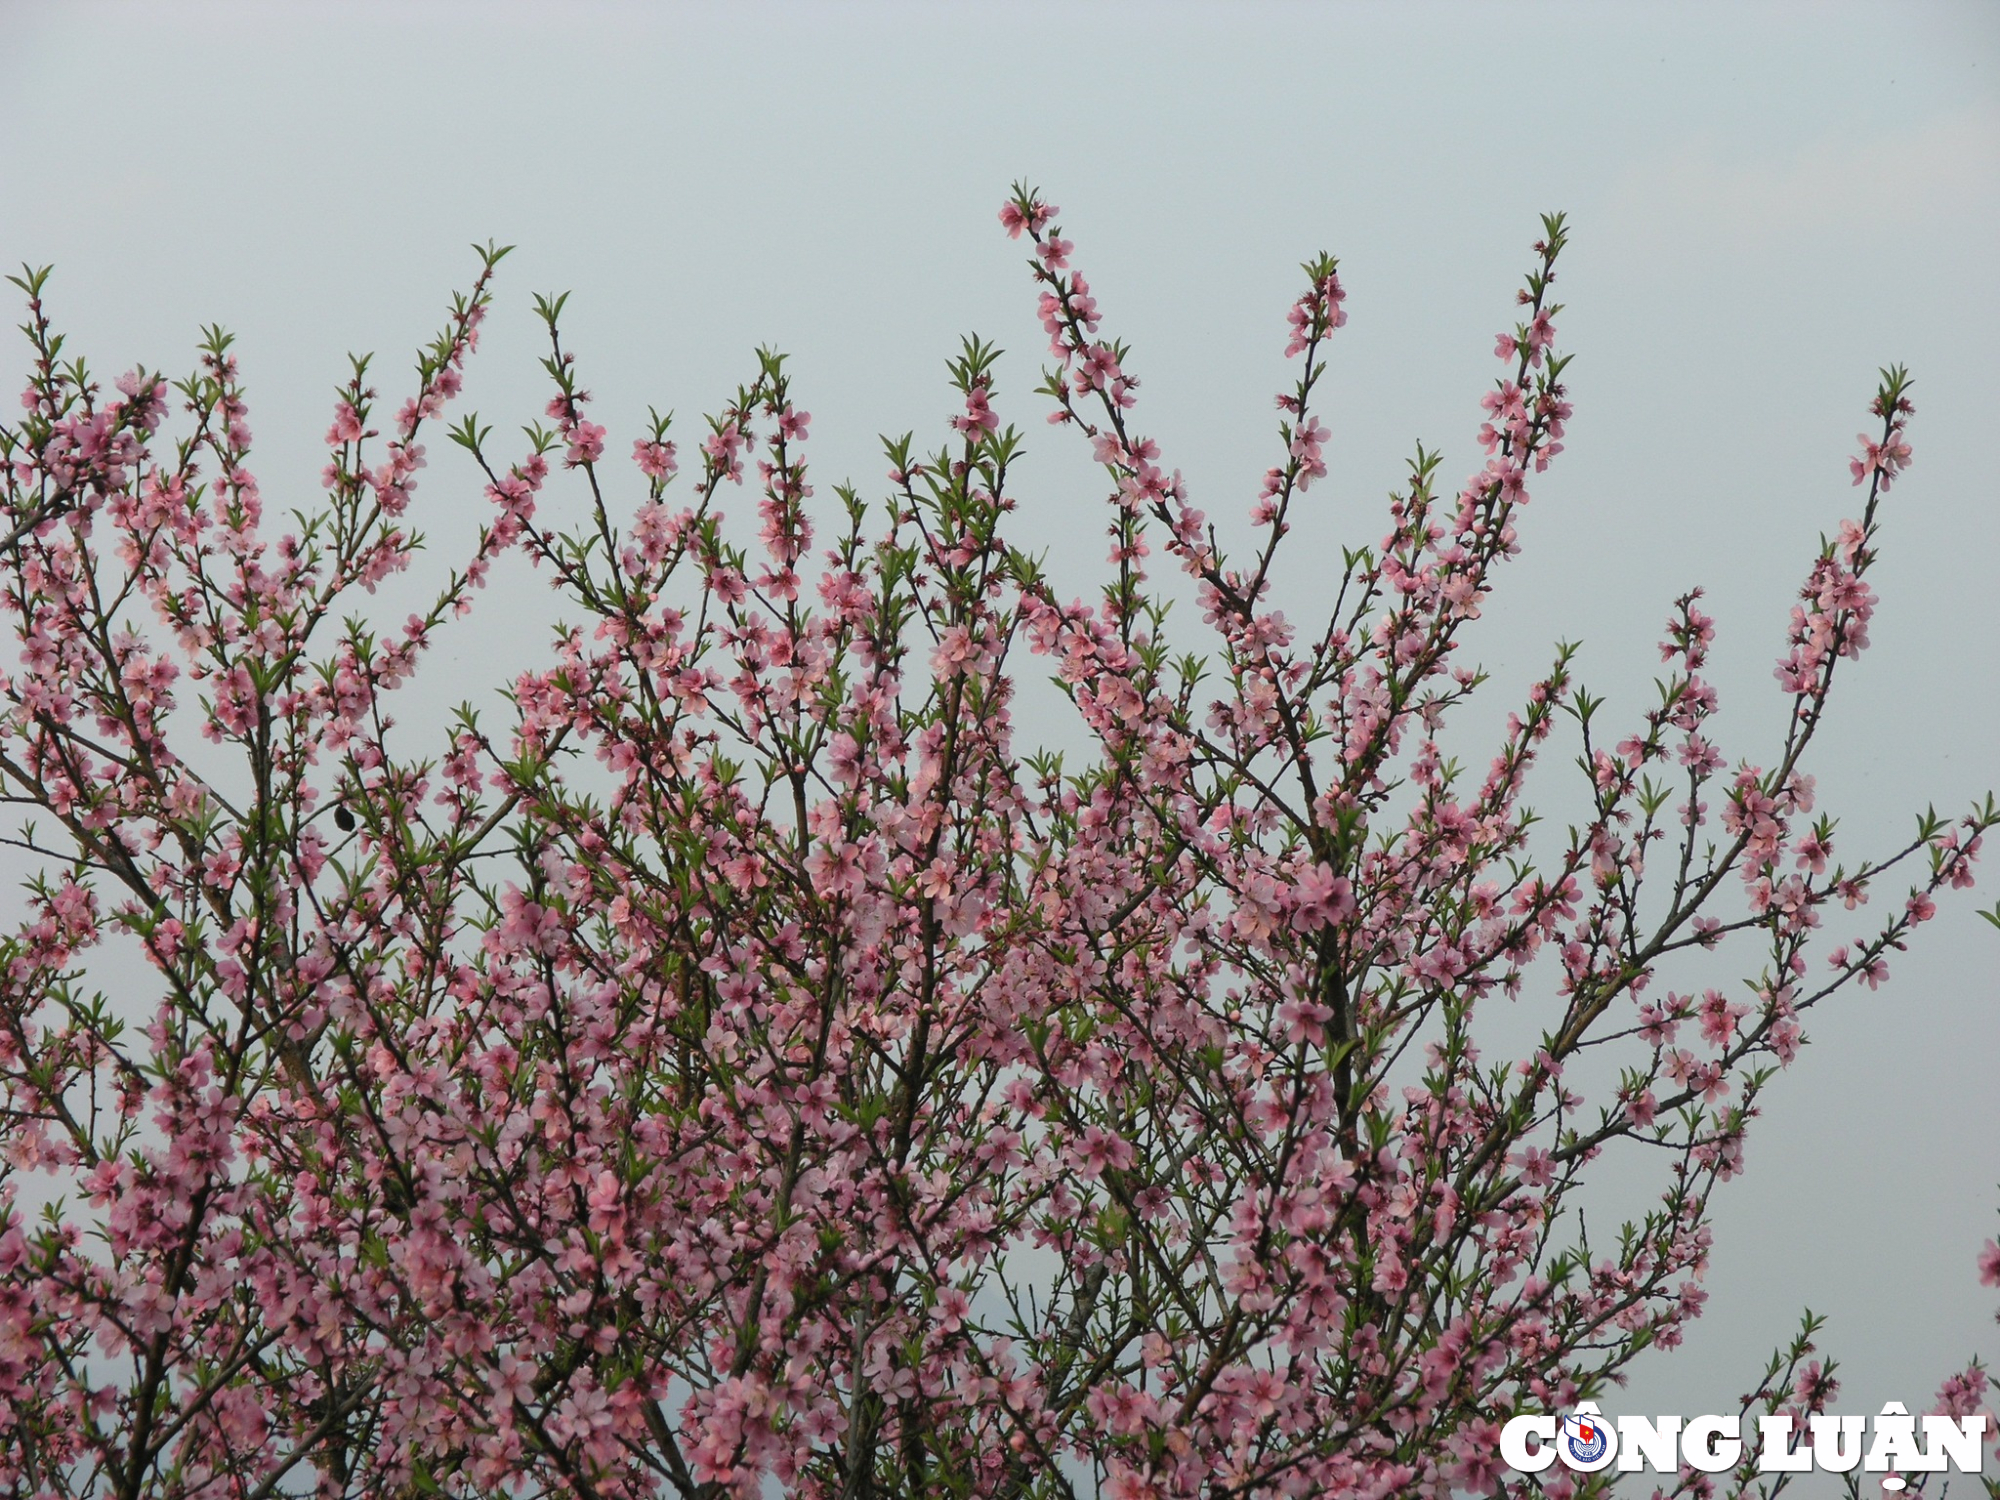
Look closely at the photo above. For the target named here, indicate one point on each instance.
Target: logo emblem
(1586, 1440)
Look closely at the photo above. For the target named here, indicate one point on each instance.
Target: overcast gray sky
(1767, 203)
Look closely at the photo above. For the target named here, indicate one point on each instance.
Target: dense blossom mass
(736, 1067)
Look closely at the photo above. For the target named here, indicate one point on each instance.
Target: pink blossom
(585, 444)
(980, 420)
(346, 425)
(656, 460)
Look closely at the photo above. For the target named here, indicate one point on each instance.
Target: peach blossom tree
(736, 1066)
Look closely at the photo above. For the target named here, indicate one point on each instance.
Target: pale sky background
(1766, 204)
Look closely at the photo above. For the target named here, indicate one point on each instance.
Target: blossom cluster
(736, 1065)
